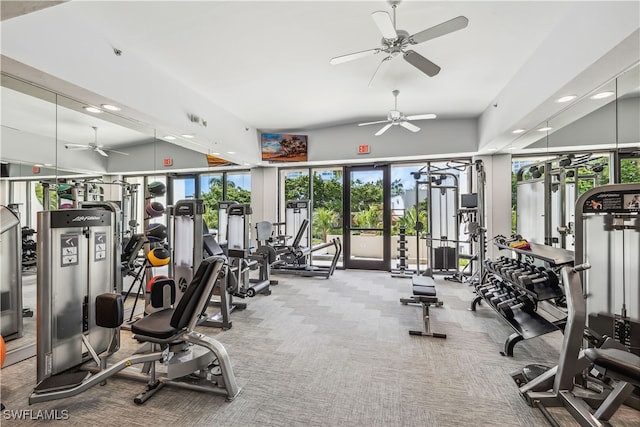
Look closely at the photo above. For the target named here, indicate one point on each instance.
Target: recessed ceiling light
(48, 164)
(93, 109)
(110, 107)
(231, 152)
(602, 95)
(492, 149)
(169, 137)
(518, 131)
(187, 135)
(38, 165)
(513, 148)
(247, 164)
(567, 98)
(215, 154)
(544, 129)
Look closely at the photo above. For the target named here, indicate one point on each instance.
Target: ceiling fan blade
(387, 59)
(384, 129)
(76, 147)
(421, 117)
(385, 24)
(410, 126)
(421, 63)
(352, 56)
(114, 151)
(101, 152)
(447, 27)
(373, 123)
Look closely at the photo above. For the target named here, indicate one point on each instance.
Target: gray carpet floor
(334, 353)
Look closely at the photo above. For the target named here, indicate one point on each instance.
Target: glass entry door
(367, 218)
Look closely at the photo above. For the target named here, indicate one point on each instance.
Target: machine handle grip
(581, 267)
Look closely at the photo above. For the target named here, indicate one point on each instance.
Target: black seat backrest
(300, 234)
(211, 246)
(185, 309)
(133, 246)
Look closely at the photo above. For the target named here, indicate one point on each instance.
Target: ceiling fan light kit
(397, 118)
(396, 42)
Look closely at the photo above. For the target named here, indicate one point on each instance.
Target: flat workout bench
(424, 293)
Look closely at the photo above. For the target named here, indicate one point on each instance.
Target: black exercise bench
(424, 293)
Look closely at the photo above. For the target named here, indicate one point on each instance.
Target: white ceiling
(267, 62)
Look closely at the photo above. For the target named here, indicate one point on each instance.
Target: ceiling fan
(100, 149)
(395, 42)
(395, 118)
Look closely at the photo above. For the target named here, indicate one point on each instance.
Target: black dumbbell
(529, 270)
(524, 303)
(510, 267)
(525, 268)
(497, 298)
(506, 302)
(489, 290)
(548, 277)
(495, 265)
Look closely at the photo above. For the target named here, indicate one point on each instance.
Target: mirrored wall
(594, 141)
(56, 152)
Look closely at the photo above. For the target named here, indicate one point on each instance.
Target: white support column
(497, 198)
(264, 194)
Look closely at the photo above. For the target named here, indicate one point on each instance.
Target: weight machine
(242, 260)
(440, 190)
(547, 192)
(11, 275)
(607, 235)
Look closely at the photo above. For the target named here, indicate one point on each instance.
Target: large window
(214, 188)
(629, 170)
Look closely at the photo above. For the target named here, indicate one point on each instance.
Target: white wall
(436, 137)
(605, 44)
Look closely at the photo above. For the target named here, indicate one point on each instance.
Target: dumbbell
(533, 271)
(509, 267)
(493, 266)
(526, 270)
(548, 277)
(486, 291)
(505, 296)
(524, 303)
(518, 269)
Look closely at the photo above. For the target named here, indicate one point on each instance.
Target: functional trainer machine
(547, 192)
(607, 243)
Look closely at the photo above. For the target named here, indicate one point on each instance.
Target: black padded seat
(619, 364)
(157, 325)
(428, 291)
(165, 324)
(423, 281)
(423, 286)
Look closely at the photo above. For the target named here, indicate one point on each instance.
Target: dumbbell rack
(526, 324)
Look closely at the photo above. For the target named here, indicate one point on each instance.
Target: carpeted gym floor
(334, 353)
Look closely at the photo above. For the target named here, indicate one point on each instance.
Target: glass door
(367, 222)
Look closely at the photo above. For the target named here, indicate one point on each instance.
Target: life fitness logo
(82, 218)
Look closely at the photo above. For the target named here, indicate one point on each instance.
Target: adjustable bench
(424, 293)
